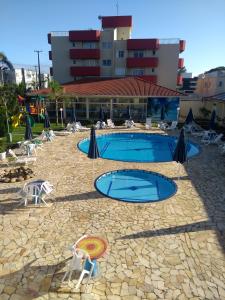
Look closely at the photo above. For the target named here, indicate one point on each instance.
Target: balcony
(85, 53)
(50, 55)
(143, 62)
(116, 21)
(180, 63)
(49, 38)
(85, 71)
(150, 78)
(182, 44)
(84, 35)
(179, 80)
(142, 44)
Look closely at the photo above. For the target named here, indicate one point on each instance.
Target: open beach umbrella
(162, 113)
(180, 152)
(93, 152)
(128, 114)
(28, 132)
(190, 117)
(212, 123)
(46, 120)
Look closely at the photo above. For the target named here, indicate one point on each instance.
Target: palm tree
(5, 64)
(56, 94)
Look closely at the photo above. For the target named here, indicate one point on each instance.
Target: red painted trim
(179, 80)
(50, 55)
(182, 45)
(85, 71)
(49, 38)
(180, 63)
(116, 21)
(84, 35)
(142, 44)
(144, 62)
(85, 53)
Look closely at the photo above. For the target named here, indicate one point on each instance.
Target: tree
(216, 69)
(56, 94)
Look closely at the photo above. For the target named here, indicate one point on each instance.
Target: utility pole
(39, 70)
(117, 8)
(36, 77)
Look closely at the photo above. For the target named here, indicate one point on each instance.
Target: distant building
(210, 84)
(29, 75)
(110, 52)
(189, 84)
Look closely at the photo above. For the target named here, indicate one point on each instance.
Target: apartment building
(211, 83)
(112, 53)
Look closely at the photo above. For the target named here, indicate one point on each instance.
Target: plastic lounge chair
(37, 191)
(100, 125)
(162, 125)
(21, 160)
(88, 268)
(79, 127)
(148, 124)
(30, 149)
(210, 137)
(110, 123)
(173, 126)
(129, 123)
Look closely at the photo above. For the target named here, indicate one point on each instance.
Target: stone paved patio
(172, 249)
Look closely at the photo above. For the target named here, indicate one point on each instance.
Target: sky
(24, 26)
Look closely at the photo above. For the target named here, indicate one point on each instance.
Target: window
(89, 45)
(120, 71)
(74, 44)
(106, 62)
(138, 72)
(220, 83)
(153, 70)
(107, 45)
(153, 52)
(90, 62)
(120, 54)
(74, 62)
(138, 54)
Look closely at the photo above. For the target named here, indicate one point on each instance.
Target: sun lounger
(110, 124)
(100, 125)
(20, 160)
(148, 124)
(79, 127)
(129, 123)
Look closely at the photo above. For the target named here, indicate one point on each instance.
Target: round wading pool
(137, 147)
(135, 186)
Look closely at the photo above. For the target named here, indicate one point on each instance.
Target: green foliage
(204, 112)
(215, 69)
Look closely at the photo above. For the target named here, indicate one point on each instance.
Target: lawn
(18, 134)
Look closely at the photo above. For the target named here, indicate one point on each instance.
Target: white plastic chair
(148, 124)
(76, 263)
(129, 123)
(37, 191)
(173, 126)
(110, 123)
(79, 127)
(100, 125)
(212, 139)
(86, 270)
(21, 160)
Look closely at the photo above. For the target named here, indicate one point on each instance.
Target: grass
(18, 134)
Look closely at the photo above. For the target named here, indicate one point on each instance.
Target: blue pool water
(137, 147)
(135, 186)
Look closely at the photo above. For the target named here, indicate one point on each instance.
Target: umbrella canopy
(128, 114)
(190, 117)
(180, 153)
(28, 132)
(93, 152)
(162, 114)
(212, 123)
(101, 114)
(46, 120)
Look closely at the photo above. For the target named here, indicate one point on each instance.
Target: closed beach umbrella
(46, 120)
(74, 118)
(128, 114)
(28, 132)
(93, 152)
(212, 123)
(180, 153)
(190, 117)
(101, 114)
(162, 114)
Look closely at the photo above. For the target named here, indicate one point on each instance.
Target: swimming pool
(135, 186)
(137, 147)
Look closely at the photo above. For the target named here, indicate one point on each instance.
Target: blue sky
(24, 26)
